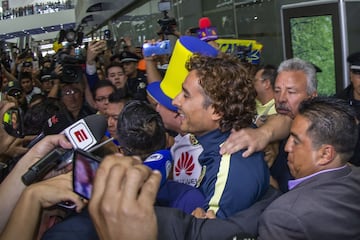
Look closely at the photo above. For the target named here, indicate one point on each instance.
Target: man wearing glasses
(72, 95)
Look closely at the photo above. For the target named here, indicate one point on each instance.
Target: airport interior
(275, 29)
(179, 119)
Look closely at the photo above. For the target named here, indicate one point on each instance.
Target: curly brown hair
(228, 87)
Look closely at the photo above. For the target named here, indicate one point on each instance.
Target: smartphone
(159, 48)
(84, 168)
(13, 122)
(107, 34)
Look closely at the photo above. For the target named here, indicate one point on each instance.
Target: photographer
(167, 26)
(72, 86)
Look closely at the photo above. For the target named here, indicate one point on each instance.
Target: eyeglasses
(102, 99)
(70, 92)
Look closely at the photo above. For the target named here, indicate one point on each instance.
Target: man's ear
(314, 94)
(267, 83)
(327, 154)
(215, 116)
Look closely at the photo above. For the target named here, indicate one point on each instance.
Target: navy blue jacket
(230, 183)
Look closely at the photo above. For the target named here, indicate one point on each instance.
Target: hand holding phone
(84, 168)
(158, 48)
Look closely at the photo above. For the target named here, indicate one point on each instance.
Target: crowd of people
(37, 8)
(236, 150)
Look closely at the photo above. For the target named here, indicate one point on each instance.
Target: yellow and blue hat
(166, 90)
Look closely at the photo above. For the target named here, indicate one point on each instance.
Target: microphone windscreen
(87, 132)
(56, 124)
(204, 22)
(97, 124)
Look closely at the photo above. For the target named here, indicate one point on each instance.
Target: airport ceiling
(36, 31)
(89, 16)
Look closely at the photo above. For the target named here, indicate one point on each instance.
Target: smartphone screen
(13, 122)
(84, 168)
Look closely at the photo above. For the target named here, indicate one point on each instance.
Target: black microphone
(83, 134)
(54, 125)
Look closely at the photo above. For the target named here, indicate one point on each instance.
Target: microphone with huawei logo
(83, 134)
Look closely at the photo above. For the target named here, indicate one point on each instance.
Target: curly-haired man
(217, 96)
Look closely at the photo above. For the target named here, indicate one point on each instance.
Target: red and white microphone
(86, 132)
(206, 32)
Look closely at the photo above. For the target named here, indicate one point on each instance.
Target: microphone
(160, 160)
(206, 32)
(83, 134)
(54, 125)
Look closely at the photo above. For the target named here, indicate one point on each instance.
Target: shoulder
(255, 158)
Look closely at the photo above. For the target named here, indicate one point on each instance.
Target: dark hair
(100, 84)
(119, 95)
(228, 87)
(24, 75)
(332, 121)
(113, 64)
(270, 72)
(140, 129)
(36, 116)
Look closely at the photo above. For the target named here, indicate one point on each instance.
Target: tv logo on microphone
(80, 135)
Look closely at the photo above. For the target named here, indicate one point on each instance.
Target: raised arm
(277, 127)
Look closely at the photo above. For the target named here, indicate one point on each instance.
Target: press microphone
(54, 125)
(160, 160)
(83, 134)
(206, 32)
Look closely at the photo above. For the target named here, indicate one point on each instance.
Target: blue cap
(160, 160)
(155, 91)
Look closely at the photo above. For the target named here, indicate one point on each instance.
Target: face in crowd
(102, 98)
(117, 76)
(112, 113)
(355, 80)
(26, 85)
(194, 117)
(130, 69)
(72, 97)
(290, 90)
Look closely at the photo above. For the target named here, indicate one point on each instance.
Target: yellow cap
(176, 72)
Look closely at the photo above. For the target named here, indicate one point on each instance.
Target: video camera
(166, 23)
(71, 61)
(72, 69)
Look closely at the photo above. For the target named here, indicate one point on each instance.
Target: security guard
(352, 94)
(137, 81)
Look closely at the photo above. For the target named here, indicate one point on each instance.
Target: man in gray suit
(323, 201)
